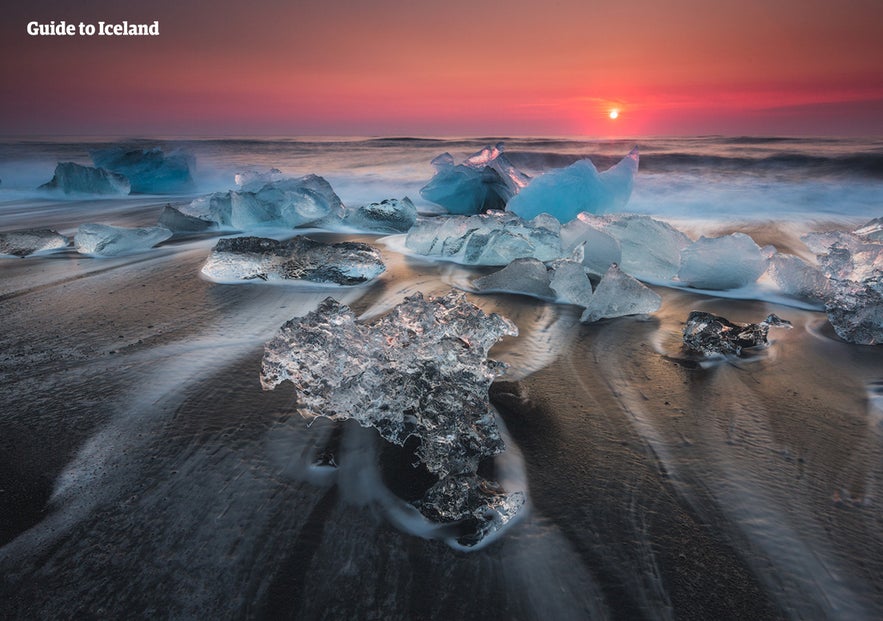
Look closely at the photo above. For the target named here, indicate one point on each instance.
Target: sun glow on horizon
(614, 114)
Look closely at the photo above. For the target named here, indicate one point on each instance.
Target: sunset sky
(453, 67)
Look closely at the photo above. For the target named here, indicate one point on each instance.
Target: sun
(614, 114)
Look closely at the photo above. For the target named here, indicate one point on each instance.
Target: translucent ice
(712, 335)
(726, 262)
(300, 258)
(29, 241)
(566, 192)
(855, 309)
(387, 216)
(528, 276)
(797, 278)
(73, 178)
(494, 238)
(484, 181)
(619, 294)
(651, 249)
(107, 241)
(570, 283)
(150, 171)
(600, 249)
(178, 222)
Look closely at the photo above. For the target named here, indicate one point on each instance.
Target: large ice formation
(420, 371)
(494, 238)
(150, 171)
(712, 335)
(287, 203)
(107, 241)
(484, 181)
(388, 216)
(726, 262)
(300, 258)
(566, 192)
(651, 249)
(72, 178)
(619, 294)
(29, 241)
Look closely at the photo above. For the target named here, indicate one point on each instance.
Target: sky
(444, 68)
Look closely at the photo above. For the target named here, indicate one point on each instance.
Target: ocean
(145, 473)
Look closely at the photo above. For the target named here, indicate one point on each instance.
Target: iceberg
(651, 249)
(150, 171)
(494, 238)
(711, 335)
(726, 262)
(300, 258)
(484, 181)
(617, 295)
(107, 241)
(420, 371)
(528, 276)
(30, 241)
(566, 192)
(178, 222)
(387, 216)
(72, 178)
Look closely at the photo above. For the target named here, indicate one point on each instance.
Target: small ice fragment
(600, 249)
(150, 171)
(726, 262)
(387, 216)
(528, 276)
(178, 222)
(300, 258)
(570, 283)
(108, 241)
(566, 192)
(73, 178)
(619, 294)
(484, 181)
(872, 231)
(30, 241)
(651, 249)
(712, 335)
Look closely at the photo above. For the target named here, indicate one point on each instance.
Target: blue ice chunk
(72, 178)
(150, 171)
(726, 262)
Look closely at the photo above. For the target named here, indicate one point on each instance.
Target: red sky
(390, 67)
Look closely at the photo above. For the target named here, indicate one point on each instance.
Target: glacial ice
(420, 371)
(288, 203)
(712, 335)
(300, 258)
(619, 294)
(30, 241)
(726, 262)
(528, 276)
(72, 178)
(600, 249)
(855, 309)
(253, 180)
(178, 222)
(797, 278)
(486, 180)
(569, 282)
(150, 171)
(107, 241)
(566, 192)
(651, 249)
(494, 238)
(388, 216)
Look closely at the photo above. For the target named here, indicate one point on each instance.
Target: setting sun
(614, 113)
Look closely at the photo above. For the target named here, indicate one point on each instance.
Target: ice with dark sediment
(619, 294)
(178, 222)
(286, 203)
(855, 309)
(387, 216)
(799, 279)
(298, 259)
(31, 241)
(150, 171)
(651, 249)
(494, 238)
(566, 192)
(484, 181)
(726, 262)
(72, 178)
(419, 371)
(712, 335)
(528, 276)
(600, 249)
(107, 241)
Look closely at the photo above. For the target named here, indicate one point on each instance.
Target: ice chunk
(797, 278)
(108, 241)
(855, 309)
(872, 231)
(387, 216)
(300, 258)
(253, 180)
(570, 283)
(619, 294)
(72, 178)
(528, 276)
(29, 241)
(566, 192)
(485, 181)
(178, 222)
(712, 335)
(494, 238)
(651, 249)
(150, 171)
(727, 262)
(600, 249)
